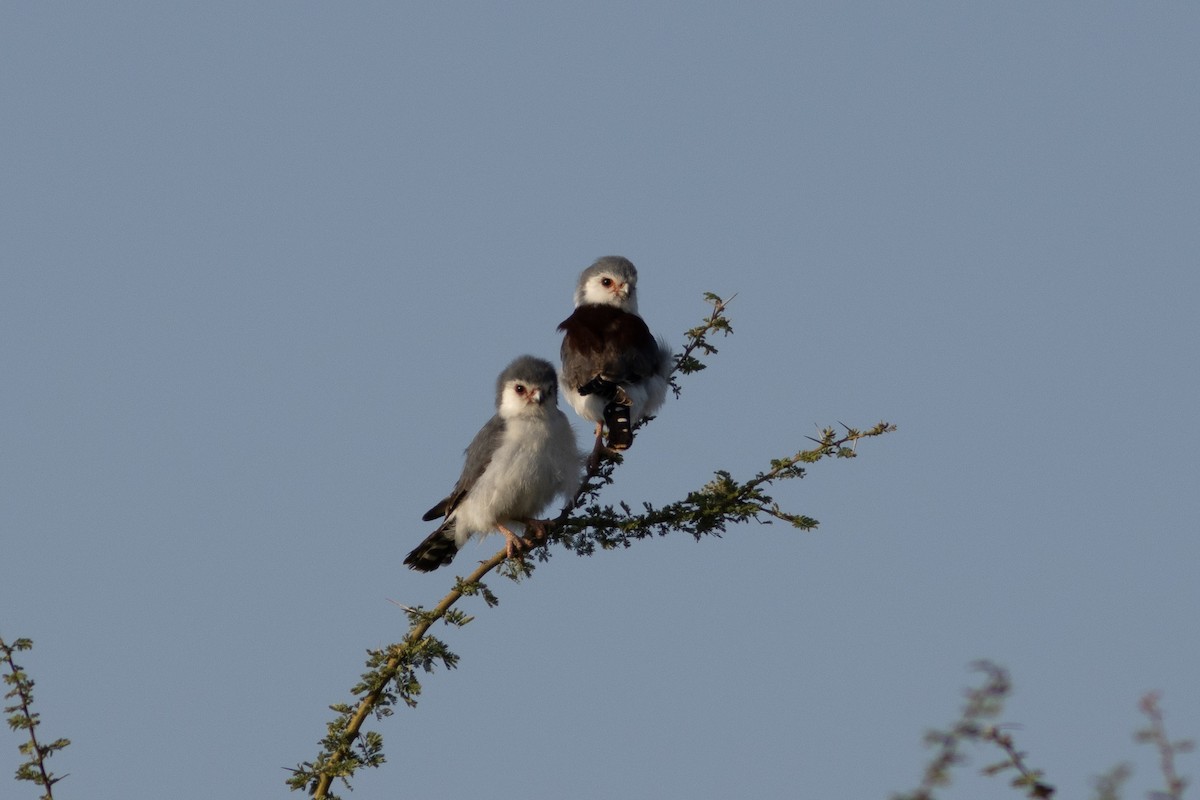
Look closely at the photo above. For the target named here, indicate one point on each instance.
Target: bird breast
(533, 462)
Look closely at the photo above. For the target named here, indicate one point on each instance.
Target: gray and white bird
(614, 372)
(524, 456)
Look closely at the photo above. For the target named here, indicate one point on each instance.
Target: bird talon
(536, 531)
(513, 543)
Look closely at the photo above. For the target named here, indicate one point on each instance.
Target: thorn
(409, 609)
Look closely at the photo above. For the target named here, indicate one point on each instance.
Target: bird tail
(438, 550)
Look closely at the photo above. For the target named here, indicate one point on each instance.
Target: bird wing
(478, 455)
(603, 341)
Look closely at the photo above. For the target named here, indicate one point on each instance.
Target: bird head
(611, 281)
(527, 386)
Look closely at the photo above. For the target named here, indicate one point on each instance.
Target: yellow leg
(598, 448)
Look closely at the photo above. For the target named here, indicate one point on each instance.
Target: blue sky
(262, 264)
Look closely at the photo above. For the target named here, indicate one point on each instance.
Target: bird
(614, 371)
(518, 461)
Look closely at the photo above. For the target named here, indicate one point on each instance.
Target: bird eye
(606, 282)
(519, 388)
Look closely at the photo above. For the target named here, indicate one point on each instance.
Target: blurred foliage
(974, 727)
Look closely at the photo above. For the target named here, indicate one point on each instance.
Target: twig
(23, 717)
(1156, 734)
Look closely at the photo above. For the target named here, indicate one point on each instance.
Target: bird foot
(593, 462)
(599, 453)
(535, 534)
(535, 531)
(515, 545)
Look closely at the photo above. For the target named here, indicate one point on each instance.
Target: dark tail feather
(437, 550)
(620, 430)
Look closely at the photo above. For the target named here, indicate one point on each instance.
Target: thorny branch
(23, 717)
(581, 526)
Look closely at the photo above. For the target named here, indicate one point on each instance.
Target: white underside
(536, 460)
(647, 397)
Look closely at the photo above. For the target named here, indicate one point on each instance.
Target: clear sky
(262, 262)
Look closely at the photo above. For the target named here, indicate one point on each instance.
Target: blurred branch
(983, 703)
(1156, 734)
(1108, 785)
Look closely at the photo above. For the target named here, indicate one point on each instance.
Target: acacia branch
(399, 661)
(580, 526)
(340, 759)
(23, 717)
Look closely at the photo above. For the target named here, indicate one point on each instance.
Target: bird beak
(536, 396)
(621, 289)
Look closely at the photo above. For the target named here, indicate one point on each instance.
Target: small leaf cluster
(22, 717)
(686, 363)
(391, 675)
